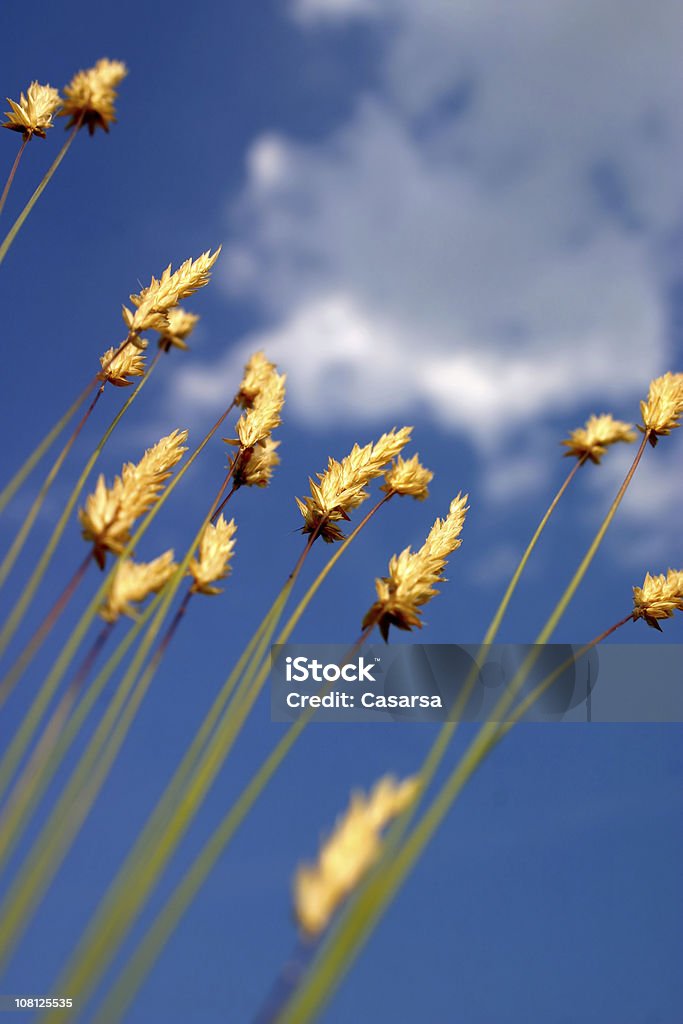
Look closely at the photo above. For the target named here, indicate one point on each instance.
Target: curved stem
(16, 227)
(10, 178)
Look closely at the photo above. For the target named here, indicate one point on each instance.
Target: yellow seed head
(413, 575)
(117, 368)
(215, 554)
(662, 411)
(594, 439)
(180, 325)
(32, 115)
(254, 466)
(263, 416)
(133, 582)
(257, 372)
(408, 476)
(659, 597)
(109, 512)
(154, 303)
(91, 94)
(351, 850)
(341, 488)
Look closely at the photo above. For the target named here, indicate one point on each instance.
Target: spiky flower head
(119, 365)
(254, 466)
(32, 115)
(408, 476)
(154, 303)
(662, 411)
(351, 850)
(215, 554)
(257, 372)
(109, 512)
(91, 94)
(180, 326)
(593, 440)
(413, 575)
(341, 488)
(659, 597)
(263, 416)
(133, 582)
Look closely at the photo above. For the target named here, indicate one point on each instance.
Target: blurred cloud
(489, 239)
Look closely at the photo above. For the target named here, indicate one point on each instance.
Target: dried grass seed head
(257, 372)
(408, 477)
(659, 597)
(413, 575)
(32, 115)
(214, 557)
(263, 416)
(154, 303)
(119, 365)
(133, 582)
(341, 488)
(593, 440)
(254, 466)
(109, 512)
(348, 854)
(662, 411)
(179, 327)
(91, 94)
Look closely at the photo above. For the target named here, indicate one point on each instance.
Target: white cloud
(489, 236)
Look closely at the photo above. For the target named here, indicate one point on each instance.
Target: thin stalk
(16, 227)
(14, 824)
(10, 178)
(16, 548)
(356, 925)
(156, 937)
(28, 593)
(57, 835)
(32, 720)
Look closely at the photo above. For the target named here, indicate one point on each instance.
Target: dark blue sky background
(553, 892)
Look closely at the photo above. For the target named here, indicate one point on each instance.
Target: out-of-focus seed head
(91, 94)
(133, 582)
(593, 440)
(351, 850)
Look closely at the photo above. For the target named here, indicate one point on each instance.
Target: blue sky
(437, 214)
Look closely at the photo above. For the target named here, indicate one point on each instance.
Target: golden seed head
(32, 115)
(408, 476)
(133, 582)
(263, 416)
(351, 850)
(154, 303)
(659, 597)
(117, 367)
(91, 94)
(662, 410)
(413, 575)
(254, 466)
(257, 373)
(109, 512)
(179, 327)
(341, 488)
(594, 439)
(215, 554)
